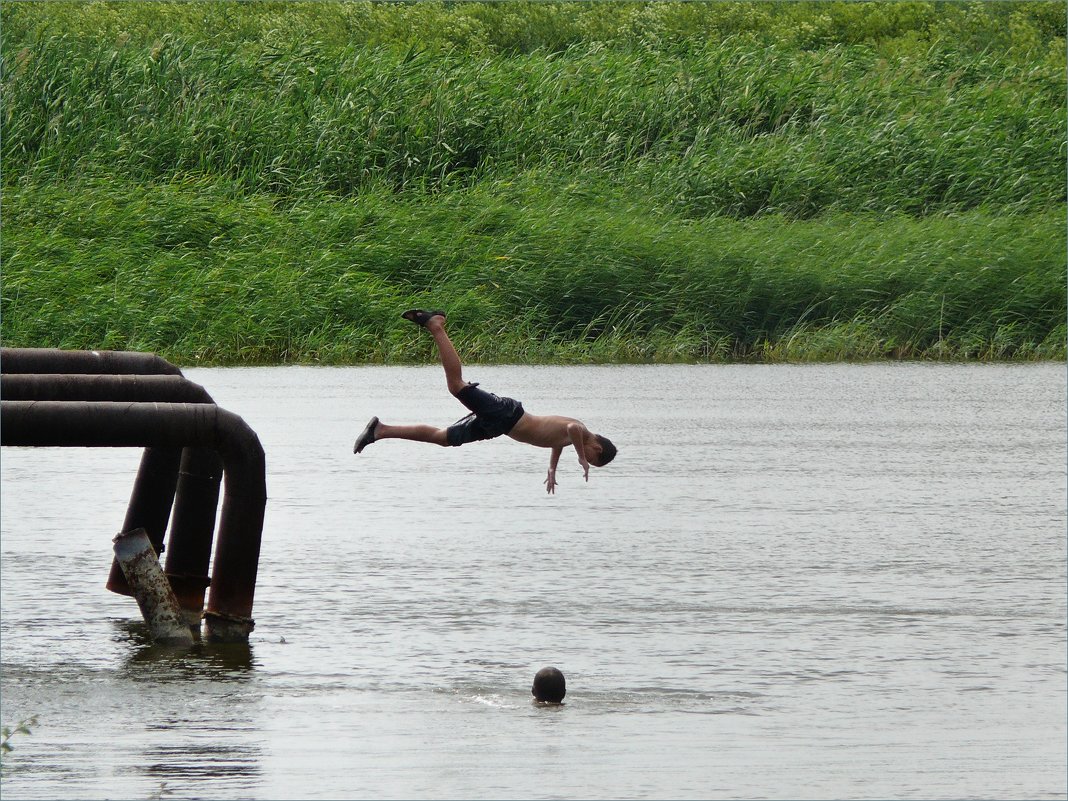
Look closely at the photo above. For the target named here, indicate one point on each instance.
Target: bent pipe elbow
(169, 425)
(119, 424)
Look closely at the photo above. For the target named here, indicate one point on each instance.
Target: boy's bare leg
(416, 433)
(376, 430)
(450, 359)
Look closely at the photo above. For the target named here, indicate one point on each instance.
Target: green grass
(198, 272)
(728, 128)
(260, 182)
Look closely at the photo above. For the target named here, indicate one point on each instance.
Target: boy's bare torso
(543, 430)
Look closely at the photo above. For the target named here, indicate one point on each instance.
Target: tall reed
(731, 127)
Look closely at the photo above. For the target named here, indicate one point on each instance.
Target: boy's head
(607, 454)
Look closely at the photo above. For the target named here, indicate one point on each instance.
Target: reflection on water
(207, 661)
(833, 581)
(186, 764)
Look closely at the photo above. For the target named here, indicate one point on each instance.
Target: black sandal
(420, 317)
(366, 437)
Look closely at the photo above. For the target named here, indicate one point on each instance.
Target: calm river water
(794, 582)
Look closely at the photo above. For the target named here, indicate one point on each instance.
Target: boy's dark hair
(608, 450)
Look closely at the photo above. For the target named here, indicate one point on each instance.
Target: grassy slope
(273, 182)
(189, 273)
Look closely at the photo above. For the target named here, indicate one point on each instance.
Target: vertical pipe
(228, 617)
(136, 556)
(196, 503)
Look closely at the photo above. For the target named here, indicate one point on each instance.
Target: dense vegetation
(258, 182)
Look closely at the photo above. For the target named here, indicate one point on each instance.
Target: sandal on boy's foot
(367, 437)
(420, 317)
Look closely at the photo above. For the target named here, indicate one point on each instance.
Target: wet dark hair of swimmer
(549, 686)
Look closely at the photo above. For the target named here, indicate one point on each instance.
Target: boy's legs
(450, 361)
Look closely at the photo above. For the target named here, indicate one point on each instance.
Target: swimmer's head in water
(549, 686)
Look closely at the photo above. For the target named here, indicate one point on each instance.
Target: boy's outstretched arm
(550, 482)
(577, 431)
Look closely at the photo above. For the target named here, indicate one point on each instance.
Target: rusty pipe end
(221, 627)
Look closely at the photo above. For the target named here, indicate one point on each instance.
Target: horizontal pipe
(173, 425)
(101, 387)
(108, 424)
(55, 360)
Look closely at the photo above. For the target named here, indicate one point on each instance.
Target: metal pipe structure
(172, 425)
(196, 496)
(157, 477)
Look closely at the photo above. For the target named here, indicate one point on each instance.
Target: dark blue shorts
(491, 416)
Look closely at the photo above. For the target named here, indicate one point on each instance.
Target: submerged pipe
(193, 485)
(153, 592)
(172, 425)
(196, 502)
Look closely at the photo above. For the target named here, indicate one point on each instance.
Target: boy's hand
(550, 482)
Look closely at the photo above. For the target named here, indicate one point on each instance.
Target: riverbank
(271, 183)
(202, 278)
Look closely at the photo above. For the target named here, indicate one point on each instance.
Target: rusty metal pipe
(172, 425)
(54, 360)
(193, 485)
(157, 477)
(151, 501)
(101, 387)
(196, 503)
(154, 488)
